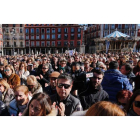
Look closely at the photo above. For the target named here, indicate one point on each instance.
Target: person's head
(113, 65)
(70, 60)
(138, 64)
(102, 65)
(29, 61)
(123, 97)
(64, 85)
(55, 59)
(21, 94)
(77, 59)
(25, 57)
(97, 78)
(44, 59)
(86, 64)
(31, 82)
(1, 67)
(63, 62)
(126, 68)
(53, 78)
(22, 66)
(4, 86)
(30, 67)
(39, 105)
(9, 70)
(104, 108)
(45, 68)
(82, 66)
(134, 102)
(135, 62)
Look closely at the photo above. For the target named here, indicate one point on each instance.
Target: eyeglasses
(6, 70)
(44, 68)
(44, 59)
(66, 86)
(137, 104)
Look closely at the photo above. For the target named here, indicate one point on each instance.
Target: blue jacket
(113, 82)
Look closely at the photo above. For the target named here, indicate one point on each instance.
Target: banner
(70, 52)
(107, 45)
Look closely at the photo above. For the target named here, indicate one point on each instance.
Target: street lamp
(13, 34)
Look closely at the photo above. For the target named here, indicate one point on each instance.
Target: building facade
(1, 40)
(101, 30)
(13, 39)
(52, 38)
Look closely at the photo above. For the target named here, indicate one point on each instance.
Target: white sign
(70, 52)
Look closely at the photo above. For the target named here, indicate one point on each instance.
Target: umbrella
(116, 34)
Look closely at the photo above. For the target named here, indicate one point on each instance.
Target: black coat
(91, 96)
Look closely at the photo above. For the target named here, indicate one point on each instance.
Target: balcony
(16, 46)
(7, 46)
(32, 38)
(27, 39)
(7, 39)
(15, 38)
(21, 38)
(32, 33)
(21, 46)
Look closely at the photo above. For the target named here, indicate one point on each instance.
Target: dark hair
(128, 67)
(64, 76)
(113, 65)
(98, 71)
(44, 101)
(136, 93)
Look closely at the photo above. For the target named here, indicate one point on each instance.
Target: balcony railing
(21, 45)
(7, 46)
(32, 38)
(21, 38)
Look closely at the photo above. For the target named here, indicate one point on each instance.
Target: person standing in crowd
(51, 89)
(133, 107)
(22, 98)
(105, 108)
(127, 70)
(136, 71)
(23, 73)
(33, 85)
(63, 68)
(63, 88)
(10, 76)
(55, 63)
(123, 98)
(43, 76)
(87, 67)
(115, 81)
(94, 92)
(7, 92)
(31, 69)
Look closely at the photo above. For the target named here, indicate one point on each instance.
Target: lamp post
(13, 34)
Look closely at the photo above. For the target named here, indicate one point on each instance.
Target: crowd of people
(97, 84)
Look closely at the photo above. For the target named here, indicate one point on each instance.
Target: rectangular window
(32, 43)
(72, 36)
(32, 30)
(65, 36)
(113, 26)
(48, 36)
(132, 33)
(59, 30)
(37, 36)
(53, 36)
(53, 31)
(48, 43)
(65, 30)
(32, 37)
(20, 30)
(59, 43)
(106, 26)
(27, 30)
(48, 31)
(42, 36)
(37, 30)
(53, 43)
(42, 31)
(105, 33)
(59, 36)
(20, 25)
(78, 42)
(21, 44)
(72, 30)
(119, 26)
(79, 30)
(126, 26)
(78, 36)
(27, 43)
(42, 43)
(27, 37)
(65, 43)
(71, 43)
(133, 26)
(37, 43)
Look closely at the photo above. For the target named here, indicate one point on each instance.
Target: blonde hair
(5, 84)
(22, 88)
(105, 108)
(31, 79)
(11, 67)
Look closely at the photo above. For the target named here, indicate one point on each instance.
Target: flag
(107, 45)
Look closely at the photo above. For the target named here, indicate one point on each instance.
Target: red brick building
(52, 38)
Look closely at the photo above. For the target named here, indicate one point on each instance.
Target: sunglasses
(44, 59)
(30, 85)
(66, 86)
(6, 70)
(53, 78)
(44, 68)
(137, 104)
